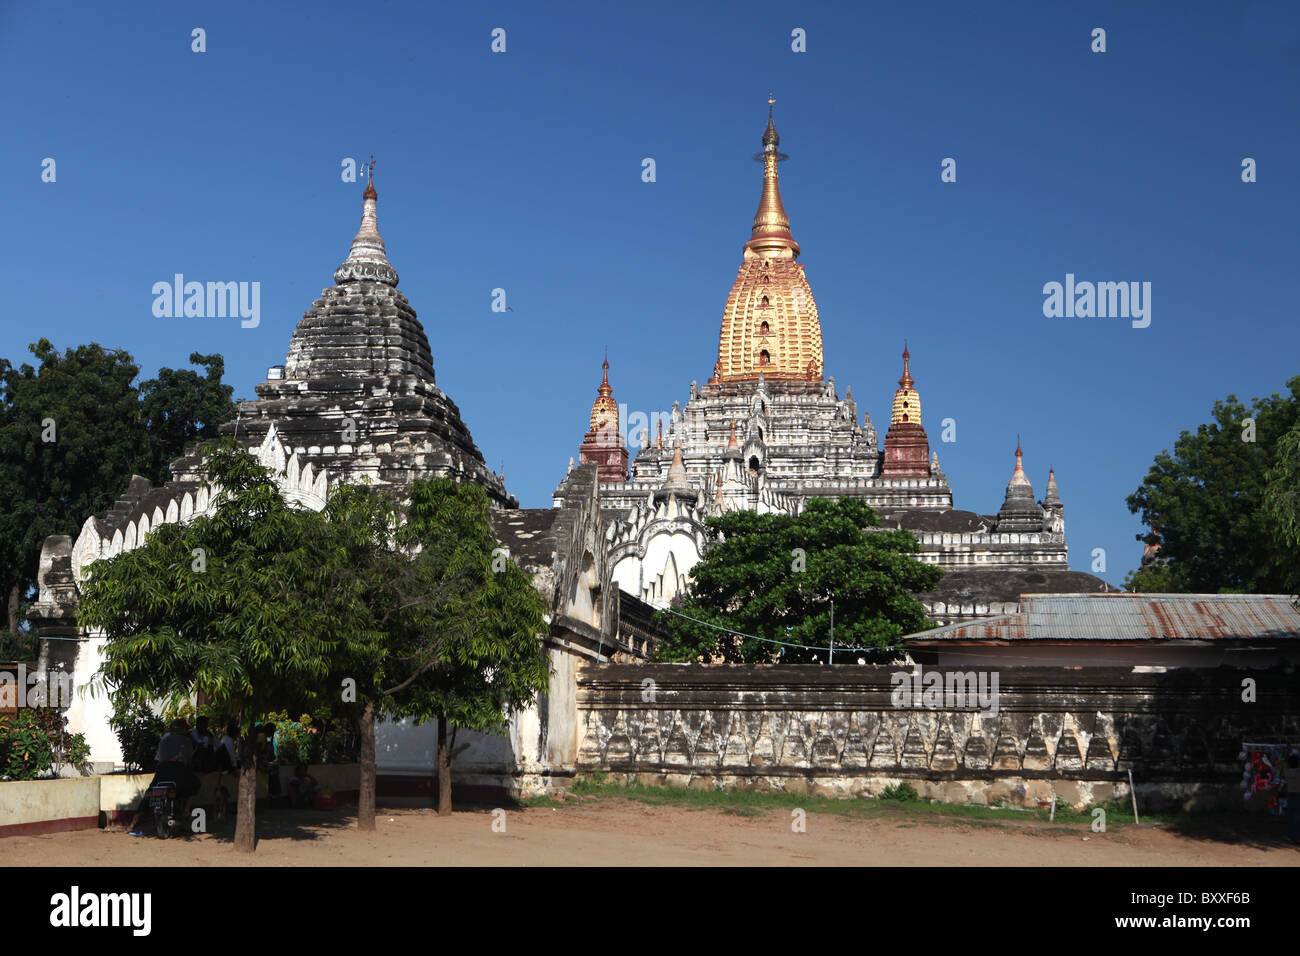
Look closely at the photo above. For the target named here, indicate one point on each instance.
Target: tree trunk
(14, 595)
(246, 801)
(366, 796)
(444, 769)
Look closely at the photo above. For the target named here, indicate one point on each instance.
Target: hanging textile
(1262, 774)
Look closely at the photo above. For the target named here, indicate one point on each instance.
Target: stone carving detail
(772, 726)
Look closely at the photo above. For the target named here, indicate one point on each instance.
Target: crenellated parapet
(144, 508)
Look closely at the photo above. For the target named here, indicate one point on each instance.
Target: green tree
(233, 602)
(1206, 500)
(393, 612)
(775, 577)
(1155, 578)
(481, 656)
(430, 622)
(73, 430)
(70, 436)
(1282, 503)
(180, 408)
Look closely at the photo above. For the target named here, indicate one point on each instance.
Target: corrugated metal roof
(1134, 617)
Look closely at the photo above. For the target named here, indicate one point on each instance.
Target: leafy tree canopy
(74, 429)
(266, 606)
(236, 603)
(775, 576)
(1282, 502)
(1207, 501)
(233, 602)
(1154, 578)
(482, 657)
(436, 622)
(181, 407)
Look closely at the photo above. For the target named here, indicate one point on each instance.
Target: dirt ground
(619, 832)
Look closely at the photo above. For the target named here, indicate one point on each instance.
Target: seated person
(204, 758)
(227, 753)
(302, 787)
(175, 751)
(265, 756)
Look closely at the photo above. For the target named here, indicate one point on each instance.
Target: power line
(769, 640)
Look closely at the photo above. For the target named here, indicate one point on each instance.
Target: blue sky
(522, 171)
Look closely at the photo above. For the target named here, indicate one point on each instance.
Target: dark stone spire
(361, 327)
(367, 258)
(1019, 510)
(1053, 497)
(358, 394)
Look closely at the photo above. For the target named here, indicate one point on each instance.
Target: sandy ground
(624, 832)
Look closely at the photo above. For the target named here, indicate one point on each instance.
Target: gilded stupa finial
(907, 403)
(604, 410)
(771, 233)
(770, 325)
(906, 380)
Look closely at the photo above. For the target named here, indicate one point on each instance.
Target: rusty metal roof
(1133, 617)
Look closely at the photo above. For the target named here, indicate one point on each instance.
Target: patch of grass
(1118, 812)
(897, 801)
(754, 802)
(742, 811)
(900, 791)
(543, 800)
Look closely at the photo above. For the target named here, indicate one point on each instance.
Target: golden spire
(770, 324)
(771, 233)
(907, 403)
(906, 380)
(604, 410)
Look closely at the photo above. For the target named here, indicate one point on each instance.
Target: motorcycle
(166, 812)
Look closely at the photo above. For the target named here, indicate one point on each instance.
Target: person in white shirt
(175, 751)
(230, 745)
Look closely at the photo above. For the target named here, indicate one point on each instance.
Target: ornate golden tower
(603, 443)
(770, 324)
(907, 449)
